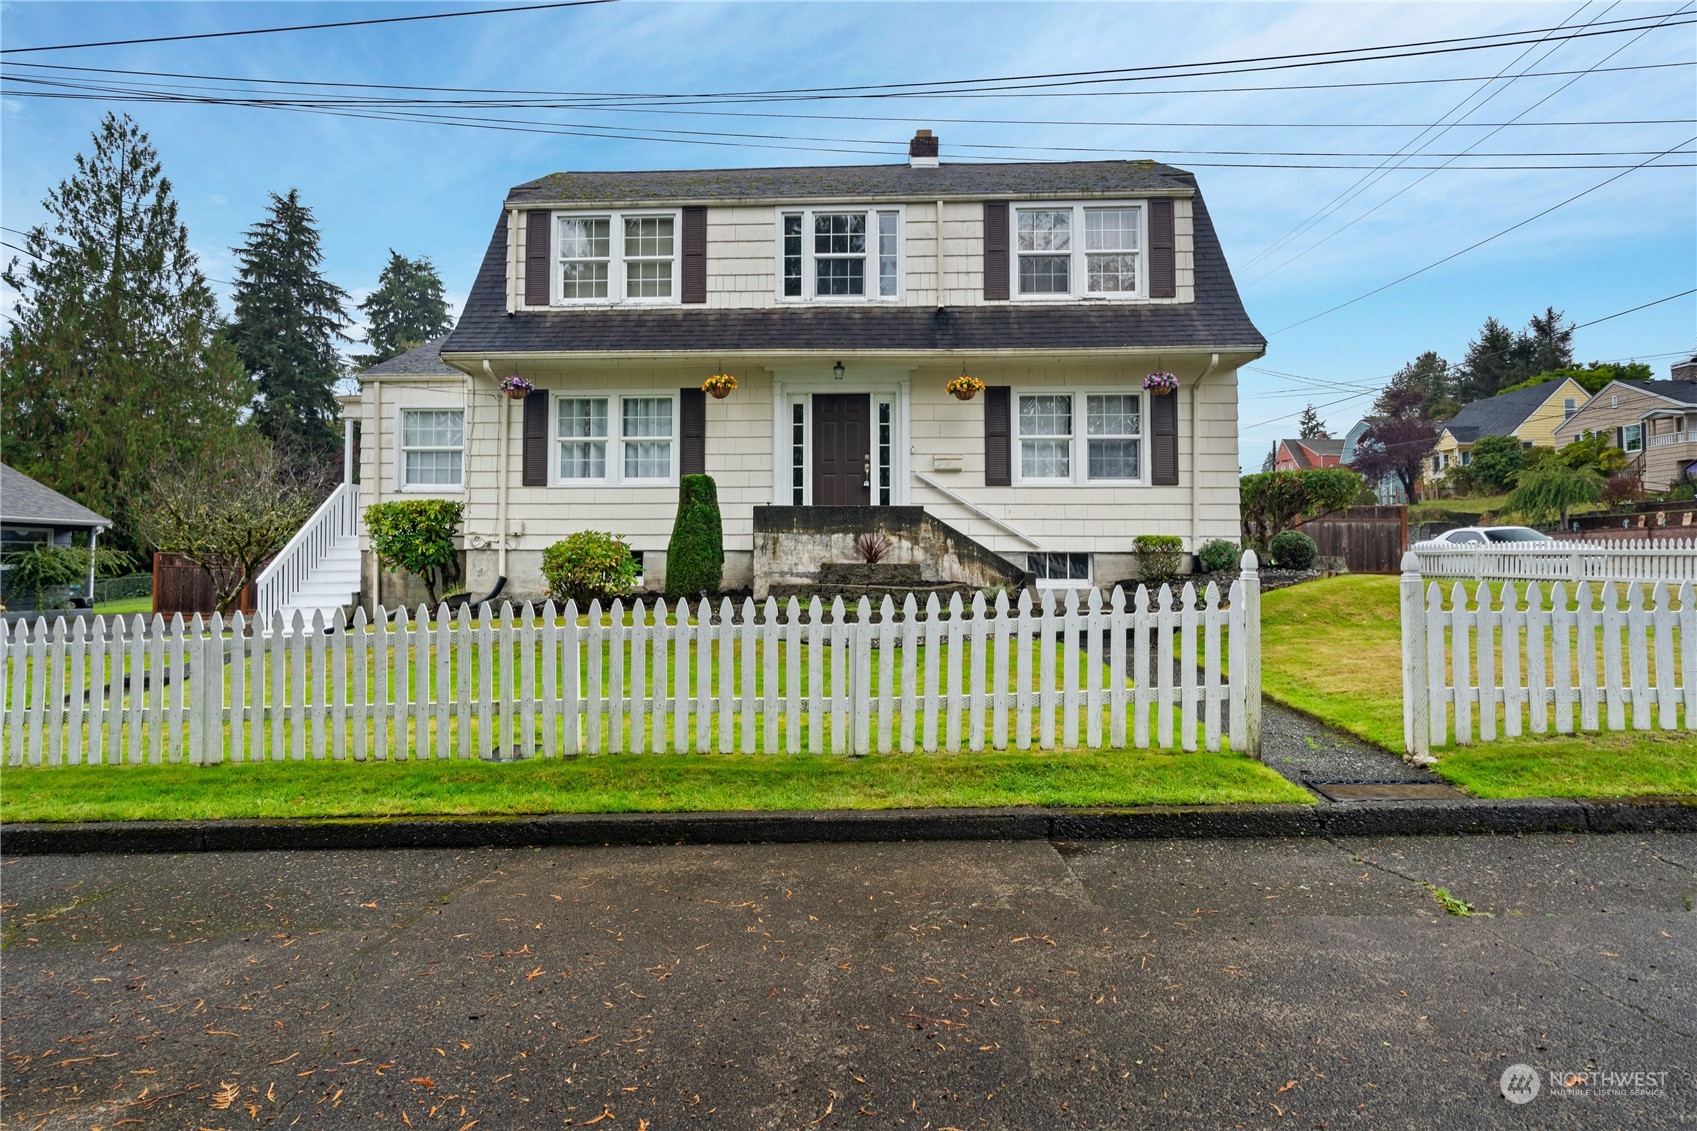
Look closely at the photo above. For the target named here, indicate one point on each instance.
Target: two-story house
(843, 300)
(1653, 422)
(1534, 415)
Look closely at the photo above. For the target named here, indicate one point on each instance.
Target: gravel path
(1300, 747)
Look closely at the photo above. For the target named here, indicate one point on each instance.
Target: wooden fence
(1368, 539)
(1672, 560)
(1065, 671)
(1528, 659)
(180, 586)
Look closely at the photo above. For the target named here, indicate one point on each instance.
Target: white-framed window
(603, 438)
(432, 448)
(1632, 437)
(1063, 251)
(840, 254)
(1062, 570)
(1569, 405)
(616, 257)
(1080, 436)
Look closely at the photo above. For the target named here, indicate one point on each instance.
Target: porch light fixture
(837, 371)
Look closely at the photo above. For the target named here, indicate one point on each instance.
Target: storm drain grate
(1425, 790)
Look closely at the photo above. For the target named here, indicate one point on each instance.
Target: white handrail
(977, 510)
(336, 518)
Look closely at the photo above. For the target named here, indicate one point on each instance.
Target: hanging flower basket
(1160, 382)
(964, 388)
(517, 387)
(719, 386)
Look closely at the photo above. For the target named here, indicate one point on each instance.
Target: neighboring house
(842, 299)
(1533, 415)
(1295, 455)
(32, 514)
(1389, 489)
(1653, 422)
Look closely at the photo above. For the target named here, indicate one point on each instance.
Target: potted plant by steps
(719, 386)
(964, 388)
(1160, 383)
(517, 387)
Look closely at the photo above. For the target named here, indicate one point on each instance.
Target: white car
(1482, 536)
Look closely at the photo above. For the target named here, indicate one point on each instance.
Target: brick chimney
(922, 150)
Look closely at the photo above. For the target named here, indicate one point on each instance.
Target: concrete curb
(1397, 818)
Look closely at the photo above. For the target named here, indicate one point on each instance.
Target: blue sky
(432, 189)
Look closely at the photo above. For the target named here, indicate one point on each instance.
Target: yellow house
(1532, 415)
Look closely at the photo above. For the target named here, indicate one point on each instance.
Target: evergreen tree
(406, 310)
(289, 319)
(1546, 344)
(1431, 377)
(1310, 426)
(1492, 364)
(113, 363)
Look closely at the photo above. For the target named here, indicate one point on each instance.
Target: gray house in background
(32, 514)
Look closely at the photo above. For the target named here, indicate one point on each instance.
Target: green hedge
(695, 556)
(1159, 557)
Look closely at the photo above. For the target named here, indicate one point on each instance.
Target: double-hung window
(432, 448)
(618, 257)
(1632, 437)
(1056, 446)
(615, 439)
(1078, 251)
(840, 254)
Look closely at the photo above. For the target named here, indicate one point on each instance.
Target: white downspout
(1195, 501)
(501, 482)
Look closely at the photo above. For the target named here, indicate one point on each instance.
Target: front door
(842, 450)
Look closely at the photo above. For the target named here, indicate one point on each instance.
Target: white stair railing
(335, 519)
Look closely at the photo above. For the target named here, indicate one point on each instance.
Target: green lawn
(124, 606)
(617, 783)
(1333, 649)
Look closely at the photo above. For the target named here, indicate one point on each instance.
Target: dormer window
(1078, 251)
(837, 254)
(616, 257)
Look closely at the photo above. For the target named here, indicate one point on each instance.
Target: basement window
(1070, 571)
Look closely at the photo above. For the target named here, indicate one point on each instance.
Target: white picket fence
(1672, 560)
(1537, 658)
(1063, 671)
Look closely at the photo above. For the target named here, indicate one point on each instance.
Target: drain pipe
(1195, 502)
(501, 422)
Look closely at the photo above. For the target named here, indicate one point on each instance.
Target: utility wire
(305, 27)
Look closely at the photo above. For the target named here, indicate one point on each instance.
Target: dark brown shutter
(1163, 440)
(537, 238)
(998, 439)
(995, 250)
(692, 432)
(1163, 275)
(694, 288)
(536, 439)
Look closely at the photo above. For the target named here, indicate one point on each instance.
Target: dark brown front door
(842, 445)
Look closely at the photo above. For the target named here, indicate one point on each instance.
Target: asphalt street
(1220, 984)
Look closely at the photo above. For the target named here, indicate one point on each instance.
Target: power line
(1635, 309)
(305, 27)
(45, 238)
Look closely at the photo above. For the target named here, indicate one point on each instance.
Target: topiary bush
(417, 535)
(589, 566)
(1292, 549)
(1217, 555)
(1159, 557)
(695, 556)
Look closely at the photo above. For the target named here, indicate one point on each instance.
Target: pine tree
(1546, 344)
(1431, 377)
(113, 364)
(406, 310)
(289, 319)
(1310, 426)
(1491, 364)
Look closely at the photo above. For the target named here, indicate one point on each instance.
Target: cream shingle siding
(1620, 404)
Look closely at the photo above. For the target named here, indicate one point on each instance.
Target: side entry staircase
(318, 571)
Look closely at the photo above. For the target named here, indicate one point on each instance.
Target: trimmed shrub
(695, 556)
(1292, 549)
(1159, 557)
(1218, 554)
(417, 535)
(588, 566)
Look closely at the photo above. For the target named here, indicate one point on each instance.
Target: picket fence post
(1416, 735)
(1251, 577)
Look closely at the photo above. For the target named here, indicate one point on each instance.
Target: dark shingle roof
(1500, 415)
(1685, 392)
(27, 503)
(856, 183)
(1214, 320)
(420, 361)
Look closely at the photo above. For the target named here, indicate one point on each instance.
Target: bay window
(1053, 448)
(617, 257)
(840, 253)
(1078, 251)
(603, 439)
